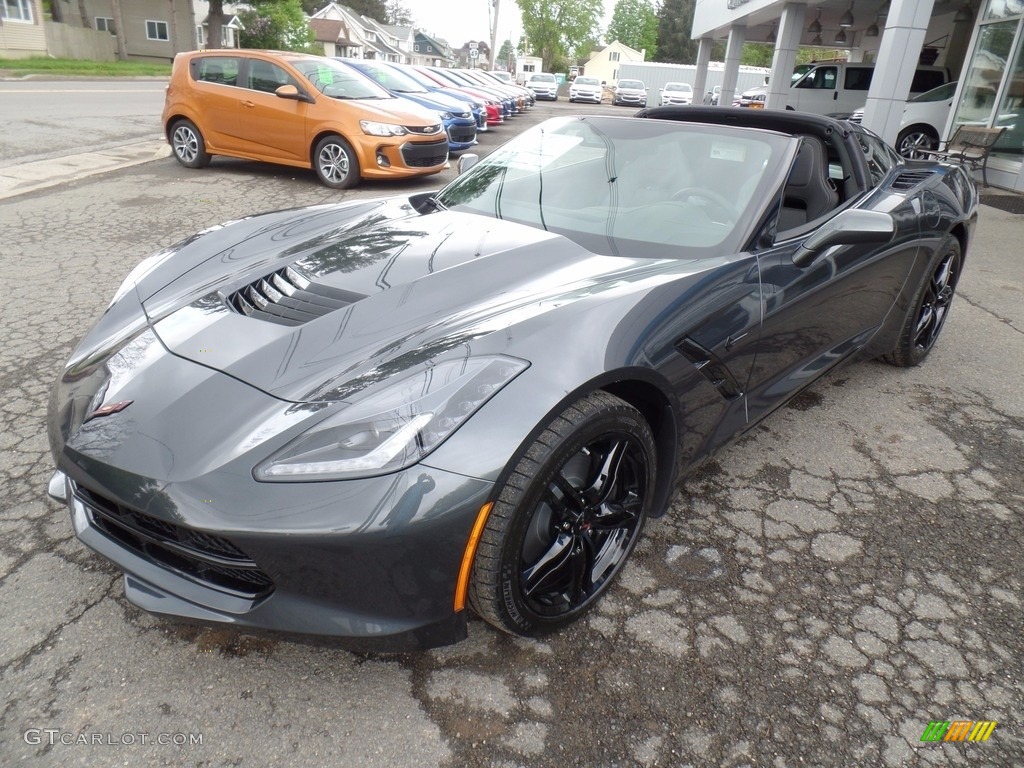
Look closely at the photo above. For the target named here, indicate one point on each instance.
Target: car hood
(409, 288)
(394, 110)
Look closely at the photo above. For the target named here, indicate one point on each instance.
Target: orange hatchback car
(299, 110)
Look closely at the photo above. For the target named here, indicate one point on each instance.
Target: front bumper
(585, 96)
(379, 575)
(164, 489)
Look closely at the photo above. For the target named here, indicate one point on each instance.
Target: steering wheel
(719, 201)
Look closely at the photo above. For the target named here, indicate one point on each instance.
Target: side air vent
(909, 179)
(288, 298)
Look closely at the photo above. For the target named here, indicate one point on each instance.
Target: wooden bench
(970, 145)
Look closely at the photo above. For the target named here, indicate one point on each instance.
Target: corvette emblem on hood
(109, 409)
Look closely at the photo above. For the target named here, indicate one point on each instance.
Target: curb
(43, 174)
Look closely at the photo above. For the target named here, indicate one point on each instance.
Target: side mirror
(291, 92)
(467, 161)
(852, 227)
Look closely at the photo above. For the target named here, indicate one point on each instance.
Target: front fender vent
(909, 179)
(288, 298)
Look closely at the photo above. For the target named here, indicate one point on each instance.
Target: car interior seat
(809, 193)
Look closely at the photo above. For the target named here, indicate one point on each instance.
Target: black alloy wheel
(931, 307)
(567, 519)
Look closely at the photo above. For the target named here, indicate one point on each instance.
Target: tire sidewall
(517, 612)
(201, 157)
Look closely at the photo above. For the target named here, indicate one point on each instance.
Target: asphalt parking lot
(821, 591)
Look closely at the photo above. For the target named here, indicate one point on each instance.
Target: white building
(981, 42)
(604, 62)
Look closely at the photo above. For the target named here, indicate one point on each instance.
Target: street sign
(474, 53)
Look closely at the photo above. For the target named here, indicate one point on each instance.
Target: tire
(335, 163)
(930, 307)
(188, 144)
(913, 139)
(567, 518)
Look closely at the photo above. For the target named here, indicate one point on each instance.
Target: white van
(837, 88)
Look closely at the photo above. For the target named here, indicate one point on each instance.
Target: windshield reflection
(621, 186)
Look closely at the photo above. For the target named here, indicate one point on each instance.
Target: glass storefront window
(988, 63)
(1002, 9)
(1011, 108)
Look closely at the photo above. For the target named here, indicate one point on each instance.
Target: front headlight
(381, 129)
(445, 115)
(393, 426)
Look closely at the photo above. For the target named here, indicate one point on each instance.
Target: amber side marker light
(467, 557)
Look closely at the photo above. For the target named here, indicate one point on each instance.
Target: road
(829, 584)
(44, 119)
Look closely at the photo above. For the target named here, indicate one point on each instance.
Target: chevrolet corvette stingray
(360, 419)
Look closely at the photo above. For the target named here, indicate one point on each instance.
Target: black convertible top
(782, 121)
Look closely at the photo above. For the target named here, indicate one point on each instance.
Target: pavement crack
(986, 310)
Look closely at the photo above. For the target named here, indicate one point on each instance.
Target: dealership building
(980, 42)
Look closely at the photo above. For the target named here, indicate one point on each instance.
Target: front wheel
(567, 518)
(929, 308)
(188, 144)
(335, 163)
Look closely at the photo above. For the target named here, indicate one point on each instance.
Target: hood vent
(909, 179)
(288, 298)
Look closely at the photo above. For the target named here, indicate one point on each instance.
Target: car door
(215, 95)
(271, 127)
(814, 316)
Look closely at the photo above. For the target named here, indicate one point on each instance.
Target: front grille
(428, 130)
(856, 117)
(424, 155)
(909, 179)
(203, 557)
(288, 298)
(462, 133)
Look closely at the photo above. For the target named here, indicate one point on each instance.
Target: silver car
(630, 93)
(543, 85)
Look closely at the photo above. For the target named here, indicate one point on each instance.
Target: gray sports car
(357, 419)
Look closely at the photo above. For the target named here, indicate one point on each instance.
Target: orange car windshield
(339, 82)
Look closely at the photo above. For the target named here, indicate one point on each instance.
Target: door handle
(247, 103)
(835, 95)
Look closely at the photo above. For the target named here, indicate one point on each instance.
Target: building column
(733, 54)
(898, 54)
(700, 78)
(787, 43)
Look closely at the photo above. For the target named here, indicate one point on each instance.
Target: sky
(459, 21)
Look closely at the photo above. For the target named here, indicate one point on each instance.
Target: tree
(554, 27)
(213, 31)
(585, 48)
(634, 23)
(757, 55)
(675, 20)
(277, 24)
(506, 54)
(398, 14)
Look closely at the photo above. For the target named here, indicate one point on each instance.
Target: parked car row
(346, 119)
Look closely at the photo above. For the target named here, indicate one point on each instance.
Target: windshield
(587, 81)
(542, 78)
(633, 84)
(391, 79)
(678, 87)
(941, 93)
(339, 81)
(622, 186)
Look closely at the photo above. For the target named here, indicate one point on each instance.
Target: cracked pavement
(821, 590)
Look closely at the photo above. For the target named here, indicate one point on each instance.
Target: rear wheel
(912, 140)
(567, 518)
(930, 307)
(335, 163)
(188, 144)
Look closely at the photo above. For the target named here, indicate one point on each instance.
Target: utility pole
(494, 31)
(122, 42)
